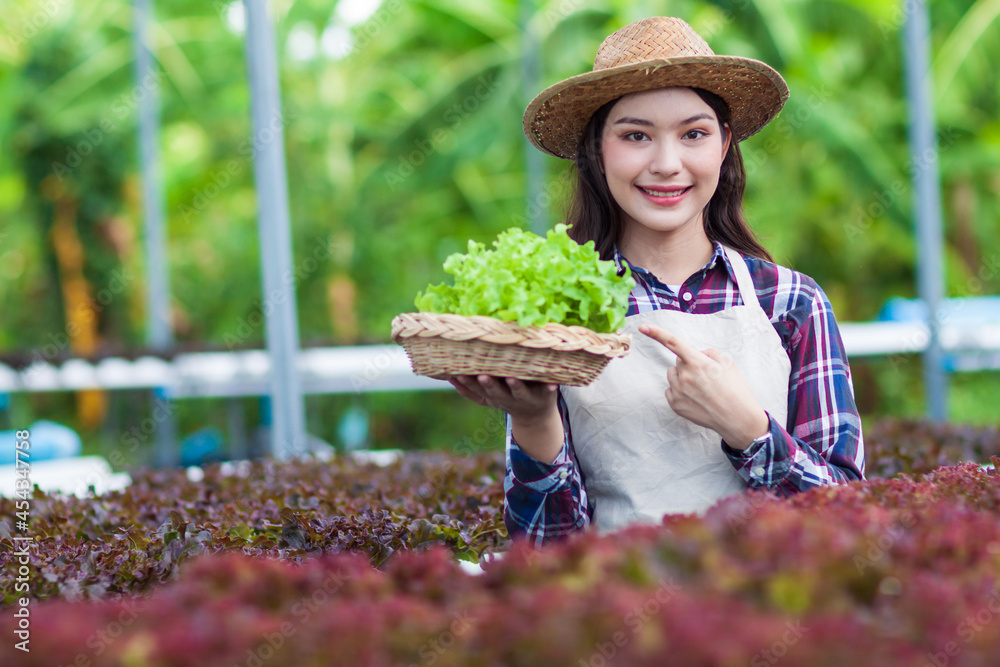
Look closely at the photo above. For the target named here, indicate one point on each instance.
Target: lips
(664, 196)
(664, 191)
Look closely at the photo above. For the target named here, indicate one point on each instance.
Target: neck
(671, 257)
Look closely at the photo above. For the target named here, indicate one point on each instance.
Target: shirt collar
(718, 254)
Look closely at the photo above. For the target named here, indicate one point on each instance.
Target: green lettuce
(532, 280)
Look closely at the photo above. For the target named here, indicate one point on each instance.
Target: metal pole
(926, 200)
(534, 165)
(159, 335)
(288, 431)
(237, 427)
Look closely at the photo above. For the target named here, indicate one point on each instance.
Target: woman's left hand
(707, 388)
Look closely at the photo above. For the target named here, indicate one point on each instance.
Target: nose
(666, 158)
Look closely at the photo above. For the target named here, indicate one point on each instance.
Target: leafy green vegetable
(533, 281)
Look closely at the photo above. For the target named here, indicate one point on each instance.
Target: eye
(635, 135)
(695, 134)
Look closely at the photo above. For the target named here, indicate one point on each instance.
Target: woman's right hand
(534, 416)
(521, 400)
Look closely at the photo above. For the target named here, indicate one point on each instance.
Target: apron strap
(743, 280)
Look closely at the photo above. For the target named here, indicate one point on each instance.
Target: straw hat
(657, 52)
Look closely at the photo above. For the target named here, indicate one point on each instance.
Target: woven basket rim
(550, 336)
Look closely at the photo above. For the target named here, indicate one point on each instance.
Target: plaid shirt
(821, 444)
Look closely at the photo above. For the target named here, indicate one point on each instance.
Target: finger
(493, 387)
(721, 363)
(467, 381)
(522, 390)
(471, 384)
(672, 342)
(459, 382)
(673, 376)
(715, 355)
(465, 392)
(670, 394)
(517, 388)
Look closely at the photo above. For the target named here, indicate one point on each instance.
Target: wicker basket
(443, 345)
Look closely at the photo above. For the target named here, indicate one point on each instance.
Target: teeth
(672, 193)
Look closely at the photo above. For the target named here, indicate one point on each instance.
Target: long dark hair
(595, 215)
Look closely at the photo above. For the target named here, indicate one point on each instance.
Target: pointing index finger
(671, 341)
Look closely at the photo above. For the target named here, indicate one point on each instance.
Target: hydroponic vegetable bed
(345, 564)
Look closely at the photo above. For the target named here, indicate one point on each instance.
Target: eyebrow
(629, 120)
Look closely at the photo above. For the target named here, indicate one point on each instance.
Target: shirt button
(758, 471)
(687, 296)
(564, 474)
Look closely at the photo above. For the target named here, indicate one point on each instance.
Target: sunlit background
(402, 124)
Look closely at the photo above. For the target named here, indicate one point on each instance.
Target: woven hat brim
(753, 90)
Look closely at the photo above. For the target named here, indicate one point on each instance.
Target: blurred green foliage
(402, 124)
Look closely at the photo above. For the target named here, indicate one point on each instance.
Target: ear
(729, 139)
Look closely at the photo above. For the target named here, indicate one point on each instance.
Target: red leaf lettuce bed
(274, 566)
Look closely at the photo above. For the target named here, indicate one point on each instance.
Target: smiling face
(662, 151)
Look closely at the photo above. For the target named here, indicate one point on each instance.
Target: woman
(737, 376)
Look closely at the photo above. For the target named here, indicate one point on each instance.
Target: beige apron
(640, 460)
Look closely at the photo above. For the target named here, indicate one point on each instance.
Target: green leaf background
(409, 145)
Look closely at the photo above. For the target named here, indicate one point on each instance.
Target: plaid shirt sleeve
(544, 501)
(822, 443)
